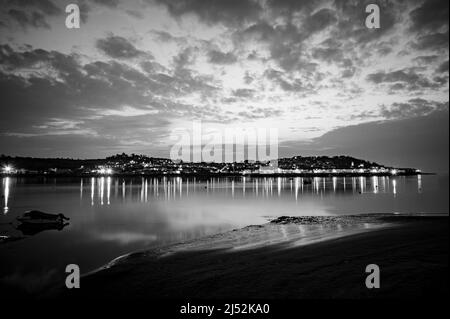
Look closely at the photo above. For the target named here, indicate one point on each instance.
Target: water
(114, 216)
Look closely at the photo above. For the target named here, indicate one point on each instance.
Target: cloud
(284, 43)
(286, 84)
(244, 93)
(418, 142)
(118, 47)
(404, 79)
(395, 76)
(34, 19)
(427, 59)
(432, 15)
(167, 37)
(108, 3)
(434, 41)
(259, 113)
(185, 58)
(443, 68)
(229, 12)
(287, 8)
(328, 54)
(45, 6)
(413, 108)
(76, 92)
(352, 16)
(320, 20)
(30, 13)
(218, 57)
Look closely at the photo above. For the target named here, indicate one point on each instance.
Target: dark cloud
(30, 13)
(45, 6)
(118, 47)
(284, 42)
(165, 36)
(431, 15)
(248, 78)
(352, 16)
(328, 54)
(442, 80)
(434, 41)
(254, 113)
(135, 13)
(427, 59)
(34, 19)
(332, 52)
(443, 68)
(77, 92)
(229, 12)
(320, 20)
(287, 8)
(404, 79)
(413, 108)
(218, 57)
(287, 84)
(32, 59)
(184, 58)
(108, 3)
(244, 93)
(384, 48)
(395, 76)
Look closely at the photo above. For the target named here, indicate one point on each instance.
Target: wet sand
(289, 258)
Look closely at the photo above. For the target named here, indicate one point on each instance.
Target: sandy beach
(306, 257)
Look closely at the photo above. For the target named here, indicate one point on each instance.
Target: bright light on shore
(105, 171)
(394, 172)
(7, 169)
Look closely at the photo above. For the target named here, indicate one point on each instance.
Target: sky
(137, 70)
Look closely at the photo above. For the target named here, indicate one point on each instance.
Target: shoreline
(209, 175)
(230, 264)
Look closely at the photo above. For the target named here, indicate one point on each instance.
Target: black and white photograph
(226, 154)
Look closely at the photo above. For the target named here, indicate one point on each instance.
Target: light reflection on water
(102, 189)
(6, 184)
(112, 216)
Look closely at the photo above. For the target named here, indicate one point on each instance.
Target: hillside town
(124, 164)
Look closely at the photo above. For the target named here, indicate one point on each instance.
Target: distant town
(134, 165)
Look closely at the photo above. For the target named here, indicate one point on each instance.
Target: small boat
(35, 217)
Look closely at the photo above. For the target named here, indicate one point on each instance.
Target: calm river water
(112, 216)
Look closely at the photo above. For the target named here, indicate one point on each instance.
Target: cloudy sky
(136, 70)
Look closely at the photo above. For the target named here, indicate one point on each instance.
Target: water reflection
(111, 216)
(104, 189)
(92, 190)
(375, 184)
(33, 229)
(6, 185)
(394, 187)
